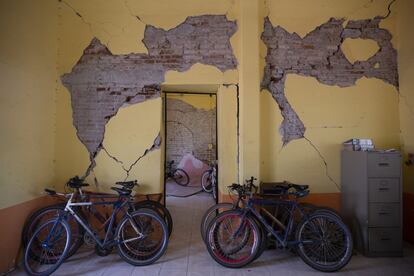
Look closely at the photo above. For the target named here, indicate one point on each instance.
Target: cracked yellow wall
(330, 114)
(134, 128)
(406, 68)
(28, 34)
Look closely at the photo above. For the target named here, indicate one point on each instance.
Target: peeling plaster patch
(319, 55)
(100, 83)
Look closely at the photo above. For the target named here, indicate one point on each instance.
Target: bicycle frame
(119, 205)
(293, 206)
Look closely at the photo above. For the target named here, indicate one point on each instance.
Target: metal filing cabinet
(371, 189)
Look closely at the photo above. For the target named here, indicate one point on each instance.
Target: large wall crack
(324, 162)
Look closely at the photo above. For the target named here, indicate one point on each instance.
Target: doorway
(190, 135)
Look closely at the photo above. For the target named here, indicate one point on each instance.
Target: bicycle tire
(34, 241)
(210, 214)
(215, 244)
(337, 242)
(38, 216)
(161, 210)
(137, 254)
(181, 177)
(206, 182)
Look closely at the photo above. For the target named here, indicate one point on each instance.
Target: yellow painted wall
(331, 114)
(57, 46)
(28, 34)
(405, 24)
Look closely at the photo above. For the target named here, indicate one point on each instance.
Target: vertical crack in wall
(101, 83)
(407, 104)
(319, 55)
(324, 162)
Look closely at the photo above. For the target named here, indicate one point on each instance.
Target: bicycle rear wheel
(181, 177)
(47, 248)
(142, 237)
(233, 241)
(325, 242)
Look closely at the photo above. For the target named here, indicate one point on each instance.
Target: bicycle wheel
(161, 210)
(210, 214)
(325, 242)
(142, 237)
(47, 213)
(47, 248)
(233, 241)
(206, 182)
(181, 177)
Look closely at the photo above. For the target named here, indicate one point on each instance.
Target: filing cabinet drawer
(384, 189)
(384, 165)
(384, 214)
(385, 239)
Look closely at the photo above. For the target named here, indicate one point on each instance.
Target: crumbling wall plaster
(101, 83)
(190, 131)
(319, 55)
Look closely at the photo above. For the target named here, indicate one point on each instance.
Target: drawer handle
(383, 189)
(384, 164)
(383, 213)
(385, 239)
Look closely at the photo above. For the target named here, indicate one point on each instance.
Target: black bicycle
(141, 236)
(236, 237)
(88, 212)
(180, 176)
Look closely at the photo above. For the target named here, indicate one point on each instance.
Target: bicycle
(209, 180)
(141, 236)
(179, 176)
(87, 212)
(322, 240)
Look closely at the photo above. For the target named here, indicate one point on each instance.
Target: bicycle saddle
(122, 191)
(128, 184)
(76, 183)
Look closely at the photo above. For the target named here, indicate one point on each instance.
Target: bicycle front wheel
(233, 240)
(51, 212)
(47, 248)
(142, 237)
(181, 177)
(325, 242)
(210, 214)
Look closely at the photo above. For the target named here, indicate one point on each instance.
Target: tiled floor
(187, 255)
